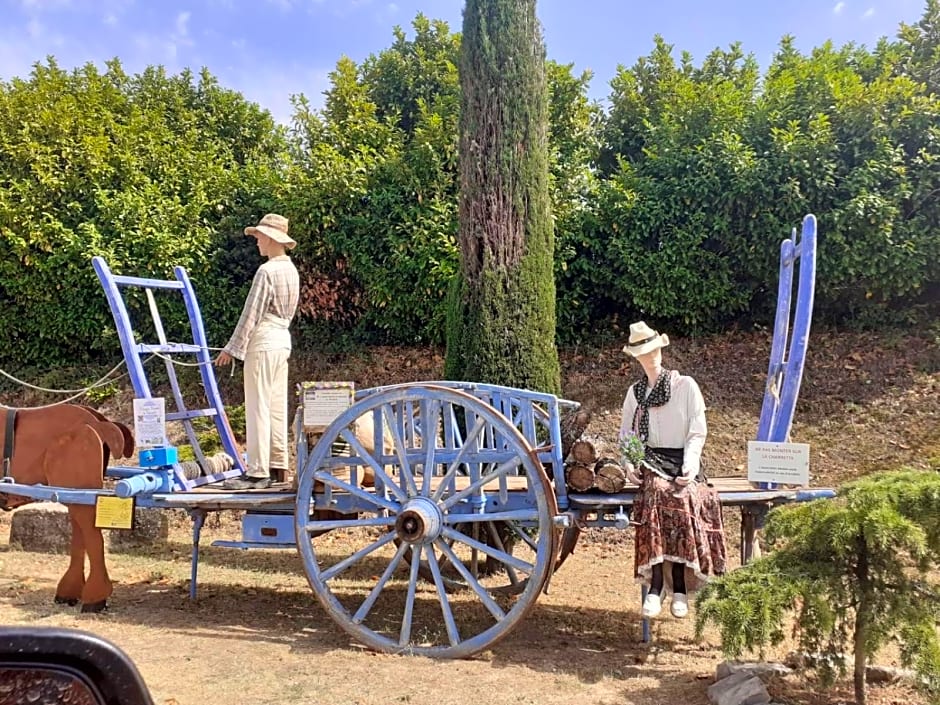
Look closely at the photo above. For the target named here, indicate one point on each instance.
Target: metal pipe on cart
(143, 483)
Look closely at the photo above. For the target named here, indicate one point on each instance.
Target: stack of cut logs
(584, 471)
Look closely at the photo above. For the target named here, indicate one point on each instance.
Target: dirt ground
(257, 634)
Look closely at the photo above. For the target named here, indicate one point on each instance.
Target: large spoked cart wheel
(432, 491)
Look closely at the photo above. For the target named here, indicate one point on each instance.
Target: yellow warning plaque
(114, 512)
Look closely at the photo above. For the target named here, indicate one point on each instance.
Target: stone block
(762, 670)
(151, 528)
(889, 674)
(739, 689)
(43, 527)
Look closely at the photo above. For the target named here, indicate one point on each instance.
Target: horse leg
(75, 460)
(69, 589)
(98, 587)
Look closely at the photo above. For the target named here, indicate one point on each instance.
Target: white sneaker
(652, 605)
(680, 605)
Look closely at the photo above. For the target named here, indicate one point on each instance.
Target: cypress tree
(501, 314)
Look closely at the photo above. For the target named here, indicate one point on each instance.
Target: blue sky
(270, 49)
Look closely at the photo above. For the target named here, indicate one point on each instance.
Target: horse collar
(8, 440)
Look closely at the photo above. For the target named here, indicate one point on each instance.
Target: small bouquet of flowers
(631, 449)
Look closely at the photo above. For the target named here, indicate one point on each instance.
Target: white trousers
(266, 408)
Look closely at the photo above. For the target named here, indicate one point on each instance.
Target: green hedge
(670, 204)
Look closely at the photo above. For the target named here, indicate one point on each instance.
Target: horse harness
(10, 421)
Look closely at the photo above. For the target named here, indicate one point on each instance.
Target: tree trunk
(861, 622)
(501, 308)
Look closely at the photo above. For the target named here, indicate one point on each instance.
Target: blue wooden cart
(437, 537)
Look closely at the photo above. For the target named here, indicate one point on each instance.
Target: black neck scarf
(662, 390)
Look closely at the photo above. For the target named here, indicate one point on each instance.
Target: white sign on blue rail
(324, 401)
(782, 463)
(150, 422)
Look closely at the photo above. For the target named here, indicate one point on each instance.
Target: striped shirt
(275, 291)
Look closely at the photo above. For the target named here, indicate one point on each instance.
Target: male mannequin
(262, 339)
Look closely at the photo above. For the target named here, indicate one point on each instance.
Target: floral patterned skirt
(678, 525)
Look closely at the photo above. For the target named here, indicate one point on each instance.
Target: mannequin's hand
(633, 477)
(223, 359)
(683, 480)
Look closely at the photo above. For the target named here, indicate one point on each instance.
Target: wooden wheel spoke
(349, 561)
(515, 515)
(408, 617)
(330, 524)
(474, 584)
(520, 532)
(498, 542)
(499, 555)
(478, 484)
(429, 438)
(404, 471)
(455, 464)
(328, 479)
(453, 634)
(379, 471)
(373, 595)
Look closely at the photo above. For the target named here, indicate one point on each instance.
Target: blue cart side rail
(537, 415)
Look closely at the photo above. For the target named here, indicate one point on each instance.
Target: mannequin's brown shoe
(247, 483)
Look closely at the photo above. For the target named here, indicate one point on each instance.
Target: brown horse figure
(67, 446)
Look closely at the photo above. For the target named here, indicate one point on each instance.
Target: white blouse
(679, 423)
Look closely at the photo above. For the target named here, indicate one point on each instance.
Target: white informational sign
(150, 422)
(324, 401)
(783, 463)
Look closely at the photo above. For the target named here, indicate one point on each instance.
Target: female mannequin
(679, 534)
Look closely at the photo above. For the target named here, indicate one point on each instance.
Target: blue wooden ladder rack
(785, 375)
(134, 352)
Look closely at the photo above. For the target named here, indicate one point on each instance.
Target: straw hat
(275, 227)
(644, 339)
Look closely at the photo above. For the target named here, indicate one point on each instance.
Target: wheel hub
(420, 521)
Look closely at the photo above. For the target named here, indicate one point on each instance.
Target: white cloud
(110, 19)
(837, 10)
(43, 5)
(870, 12)
(182, 24)
(34, 29)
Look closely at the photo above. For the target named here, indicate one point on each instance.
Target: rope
(218, 463)
(106, 379)
(174, 362)
(94, 385)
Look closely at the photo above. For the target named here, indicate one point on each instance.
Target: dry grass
(258, 635)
